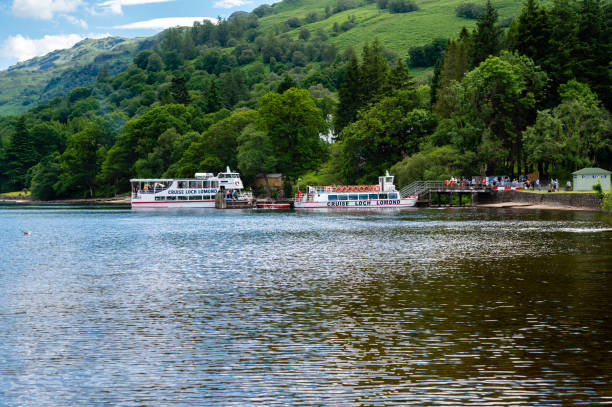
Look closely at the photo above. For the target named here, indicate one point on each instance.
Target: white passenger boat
(383, 195)
(198, 192)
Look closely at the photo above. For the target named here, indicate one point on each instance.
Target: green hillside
(40, 79)
(398, 32)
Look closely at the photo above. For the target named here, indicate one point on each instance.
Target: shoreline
(525, 205)
(85, 201)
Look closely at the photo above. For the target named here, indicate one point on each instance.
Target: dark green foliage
(427, 55)
(349, 95)
(293, 123)
(487, 37)
(178, 90)
(287, 83)
(470, 10)
(20, 155)
(402, 6)
(45, 175)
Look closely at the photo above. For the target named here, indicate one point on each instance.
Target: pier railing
(423, 187)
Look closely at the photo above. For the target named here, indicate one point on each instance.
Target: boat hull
(172, 204)
(365, 204)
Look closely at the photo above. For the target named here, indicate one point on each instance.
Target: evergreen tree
(533, 32)
(287, 83)
(374, 71)
(213, 99)
(594, 50)
(487, 37)
(20, 156)
(178, 90)
(454, 66)
(398, 79)
(349, 95)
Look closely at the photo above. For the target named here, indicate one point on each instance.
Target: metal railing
(422, 187)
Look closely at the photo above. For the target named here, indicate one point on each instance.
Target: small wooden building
(585, 178)
(276, 181)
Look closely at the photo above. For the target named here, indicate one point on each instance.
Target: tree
(573, 134)
(349, 95)
(80, 163)
(287, 83)
(213, 99)
(384, 134)
(255, 153)
(374, 71)
(533, 33)
(44, 176)
(20, 155)
(217, 148)
(491, 107)
(293, 122)
(487, 37)
(178, 90)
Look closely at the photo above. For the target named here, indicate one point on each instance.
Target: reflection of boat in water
(383, 195)
(198, 192)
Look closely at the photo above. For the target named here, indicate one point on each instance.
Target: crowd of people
(503, 181)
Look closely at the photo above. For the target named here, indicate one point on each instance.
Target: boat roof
(153, 179)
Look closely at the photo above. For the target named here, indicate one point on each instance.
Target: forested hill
(40, 79)
(259, 90)
(345, 22)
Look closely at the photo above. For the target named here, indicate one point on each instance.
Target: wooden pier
(436, 193)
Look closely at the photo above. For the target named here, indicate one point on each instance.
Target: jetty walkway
(436, 193)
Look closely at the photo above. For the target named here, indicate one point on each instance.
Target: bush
(402, 6)
(470, 10)
(606, 202)
(598, 191)
(427, 55)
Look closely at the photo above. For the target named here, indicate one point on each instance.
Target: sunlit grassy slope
(398, 32)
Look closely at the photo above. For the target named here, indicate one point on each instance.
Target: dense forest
(531, 94)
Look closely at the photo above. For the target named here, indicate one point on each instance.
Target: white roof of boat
(152, 179)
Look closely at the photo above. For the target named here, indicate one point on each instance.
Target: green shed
(585, 178)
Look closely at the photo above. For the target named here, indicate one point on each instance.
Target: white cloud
(44, 9)
(230, 3)
(115, 6)
(23, 48)
(162, 23)
(76, 21)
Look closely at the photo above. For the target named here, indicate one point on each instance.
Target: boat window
(195, 198)
(181, 198)
(214, 184)
(170, 198)
(195, 184)
(389, 180)
(206, 184)
(363, 196)
(392, 196)
(159, 198)
(373, 196)
(353, 197)
(343, 197)
(382, 196)
(332, 197)
(235, 176)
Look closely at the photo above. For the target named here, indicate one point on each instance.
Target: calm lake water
(105, 306)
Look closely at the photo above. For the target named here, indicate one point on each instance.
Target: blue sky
(30, 28)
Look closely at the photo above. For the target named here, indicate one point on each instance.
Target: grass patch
(15, 194)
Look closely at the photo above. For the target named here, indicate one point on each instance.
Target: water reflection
(424, 307)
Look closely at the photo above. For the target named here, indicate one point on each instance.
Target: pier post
(220, 202)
